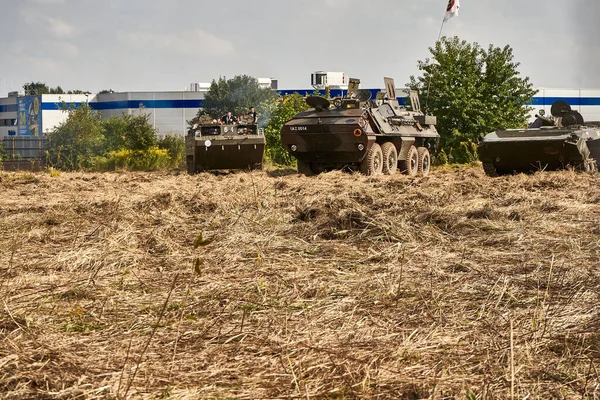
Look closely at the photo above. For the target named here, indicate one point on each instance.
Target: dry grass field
(275, 286)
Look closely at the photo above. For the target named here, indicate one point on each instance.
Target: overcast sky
(152, 45)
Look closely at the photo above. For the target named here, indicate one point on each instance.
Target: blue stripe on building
(574, 101)
(131, 104)
(197, 103)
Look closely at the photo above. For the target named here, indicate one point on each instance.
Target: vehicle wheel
(372, 164)
(489, 169)
(424, 161)
(410, 166)
(304, 168)
(190, 165)
(390, 158)
(590, 165)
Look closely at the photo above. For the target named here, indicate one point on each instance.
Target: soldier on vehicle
(228, 118)
(253, 114)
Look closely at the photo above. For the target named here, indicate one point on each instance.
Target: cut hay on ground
(132, 285)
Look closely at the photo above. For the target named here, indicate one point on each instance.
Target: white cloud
(47, 1)
(337, 4)
(195, 41)
(56, 26)
(66, 49)
(59, 27)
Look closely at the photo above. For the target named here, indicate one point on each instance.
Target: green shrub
(175, 146)
(76, 141)
(114, 133)
(3, 152)
(286, 109)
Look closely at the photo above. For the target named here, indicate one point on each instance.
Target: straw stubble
(451, 286)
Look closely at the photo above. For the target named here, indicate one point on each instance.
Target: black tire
(489, 169)
(424, 161)
(305, 168)
(410, 166)
(390, 158)
(372, 164)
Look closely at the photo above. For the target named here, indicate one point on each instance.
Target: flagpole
(431, 73)
(441, 28)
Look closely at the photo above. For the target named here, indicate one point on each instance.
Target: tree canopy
(37, 88)
(236, 95)
(472, 91)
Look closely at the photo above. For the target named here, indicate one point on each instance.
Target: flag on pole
(452, 9)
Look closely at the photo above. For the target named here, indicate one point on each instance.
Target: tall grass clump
(152, 159)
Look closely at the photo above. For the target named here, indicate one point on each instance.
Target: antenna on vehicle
(390, 88)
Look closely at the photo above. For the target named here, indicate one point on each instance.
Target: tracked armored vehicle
(212, 145)
(359, 134)
(560, 142)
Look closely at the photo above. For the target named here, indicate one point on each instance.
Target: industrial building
(169, 111)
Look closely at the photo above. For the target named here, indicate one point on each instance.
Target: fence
(24, 152)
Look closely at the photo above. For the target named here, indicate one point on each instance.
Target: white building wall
(585, 101)
(168, 112)
(589, 111)
(52, 113)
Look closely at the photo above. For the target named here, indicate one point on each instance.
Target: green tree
(37, 88)
(285, 110)
(114, 133)
(139, 132)
(74, 142)
(130, 131)
(236, 95)
(472, 91)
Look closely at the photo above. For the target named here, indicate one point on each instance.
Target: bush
(75, 142)
(114, 133)
(286, 109)
(152, 159)
(175, 146)
(3, 152)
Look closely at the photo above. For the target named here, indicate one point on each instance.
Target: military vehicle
(212, 145)
(359, 134)
(559, 142)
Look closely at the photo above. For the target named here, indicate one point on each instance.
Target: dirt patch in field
(254, 285)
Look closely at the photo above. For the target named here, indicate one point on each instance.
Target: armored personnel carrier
(560, 142)
(359, 134)
(212, 145)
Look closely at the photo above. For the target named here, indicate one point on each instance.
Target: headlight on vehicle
(361, 147)
(293, 147)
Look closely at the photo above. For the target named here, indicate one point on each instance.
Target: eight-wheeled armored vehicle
(212, 145)
(356, 133)
(560, 142)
